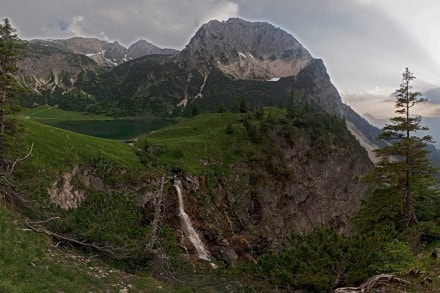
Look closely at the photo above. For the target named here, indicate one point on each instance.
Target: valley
(96, 125)
(244, 172)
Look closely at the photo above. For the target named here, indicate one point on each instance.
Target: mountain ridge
(223, 62)
(106, 53)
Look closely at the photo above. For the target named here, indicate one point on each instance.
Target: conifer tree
(10, 47)
(404, 166)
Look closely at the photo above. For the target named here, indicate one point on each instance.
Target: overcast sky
(365, 44)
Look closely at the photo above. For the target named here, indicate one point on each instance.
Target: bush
(396, 257)
(322, 260)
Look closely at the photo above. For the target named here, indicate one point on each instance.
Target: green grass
(55, 148)
(203, 138)
(31, 262)
(195, 142)
(56, 151)
(47, 112)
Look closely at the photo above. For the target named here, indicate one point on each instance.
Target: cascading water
(191, 233)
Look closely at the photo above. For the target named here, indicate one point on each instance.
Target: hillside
(88, 181)
(248, 181)
(39, 264)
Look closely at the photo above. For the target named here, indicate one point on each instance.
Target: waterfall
(191, 233)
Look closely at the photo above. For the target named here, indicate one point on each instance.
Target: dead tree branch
(372, 283)
(157, 206)
(114, 252)
(21, 159)
(8, 166)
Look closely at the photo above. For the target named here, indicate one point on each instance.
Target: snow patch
(242, 55)
(183, 103)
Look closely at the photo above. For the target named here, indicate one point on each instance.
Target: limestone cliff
(246, 50)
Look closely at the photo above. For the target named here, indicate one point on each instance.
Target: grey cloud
(164, 22)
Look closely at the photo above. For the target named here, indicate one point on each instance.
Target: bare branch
(21, 159)
(372, 283)
(115, 252)
(157, 205)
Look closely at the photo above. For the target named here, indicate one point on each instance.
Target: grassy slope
(47, 112)
(204, 138)
(57, 148)
(25, 256)
(31, 262)
(201, 137)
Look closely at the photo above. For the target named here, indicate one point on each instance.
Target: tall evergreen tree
(10, 48)
(404, 166)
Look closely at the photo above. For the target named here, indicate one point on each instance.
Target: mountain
(246, 50)
(143, 48)
(47, 70)
(102, 52)
(53, 69)
(105, 53)
(223, 63)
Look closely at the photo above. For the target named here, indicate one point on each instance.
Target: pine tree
(404, 165)
(195, 111)
(243, 107)
(10, 48)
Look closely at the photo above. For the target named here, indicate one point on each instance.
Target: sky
(365, 44)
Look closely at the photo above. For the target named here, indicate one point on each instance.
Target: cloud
(433, 95)
(75, 26)
(435, 112)
(167, 23)
(378, 102)
(222, 11)
(376, 93)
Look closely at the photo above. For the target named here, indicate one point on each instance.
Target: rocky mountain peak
(102, 52)
(246, 50)
(143, 47)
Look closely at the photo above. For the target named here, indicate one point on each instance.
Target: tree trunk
(410, 213)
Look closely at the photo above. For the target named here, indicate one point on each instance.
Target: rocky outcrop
(64, 194)
(246, 50)
(256, 206)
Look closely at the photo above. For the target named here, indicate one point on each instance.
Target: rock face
(246, 50)
(53, 67)
(254, 208)
(314, 82)
(110, 54)
(102, 52)
(45, 67)
(143, 48)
